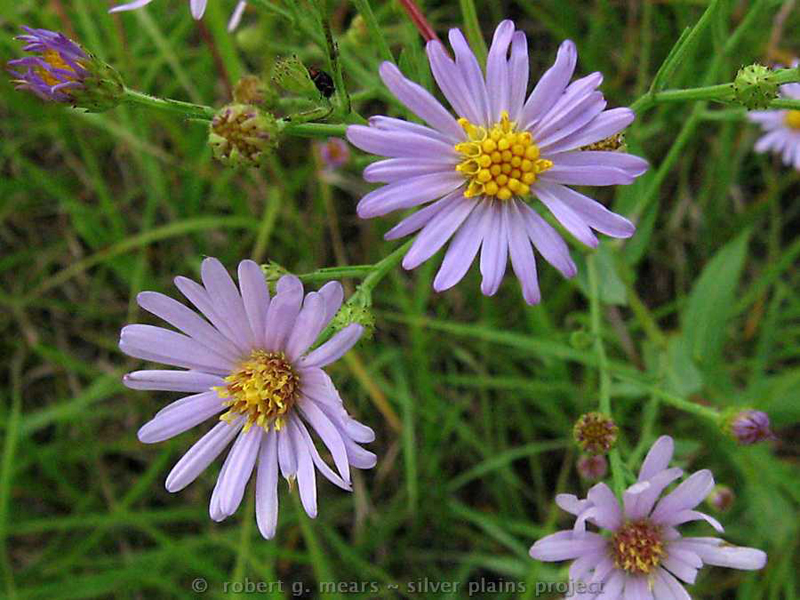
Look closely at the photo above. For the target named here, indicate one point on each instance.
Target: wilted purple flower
(333, 153)
(782, 128)
(252, 359)
(59, 69)
(595, 433)
(645, 554)
(592, 466)
(750, 426)
(198, 7)
(480, 168)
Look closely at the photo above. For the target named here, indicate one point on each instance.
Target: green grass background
(472, 398)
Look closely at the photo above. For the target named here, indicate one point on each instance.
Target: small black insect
(322, 80)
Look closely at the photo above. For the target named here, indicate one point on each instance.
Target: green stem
(374, 28)
(382, 268)
(473, 30)
(315, 130)
(675, 401)
(329, 273)
(189, 110)
(602, 365)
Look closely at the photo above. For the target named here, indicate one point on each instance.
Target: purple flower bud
(750, 426)
(592, 467)
(334, 153)
(721, 498)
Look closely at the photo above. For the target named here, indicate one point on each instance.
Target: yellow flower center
(637, 547)
(264, 388)
(499, 162)
(792, 119)
(54, 59)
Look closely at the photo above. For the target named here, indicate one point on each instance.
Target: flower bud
(273, 271)
(292, 75)
(595, 433)
(721, 498)
(333, 153)
(250, 89)
(755, 87)
(355, 314)
(592, 467)
(580, 339)
(242, 134)
(748, 427)
(63, 71)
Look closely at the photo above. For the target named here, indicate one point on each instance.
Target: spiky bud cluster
(595, 433)
(755, 87)
(355, 314)
(292, 75)
(243, 135)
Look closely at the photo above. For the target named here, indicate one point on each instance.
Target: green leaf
(711, 302)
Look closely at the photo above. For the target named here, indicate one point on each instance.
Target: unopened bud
(755, 87)
(242, 134)
(357, 34)
(355, 314)
(292, 75)
(748, 427)
(61, 70)
(272, 272)
(721, 498)
(333, 153)
(592, 467)
(595, 433)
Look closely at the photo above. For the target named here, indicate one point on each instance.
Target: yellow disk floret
(792, 119)
(263, 389)
(637, 547)
(55, 60)
(499, 162)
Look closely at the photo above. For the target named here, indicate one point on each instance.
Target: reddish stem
(419, 20)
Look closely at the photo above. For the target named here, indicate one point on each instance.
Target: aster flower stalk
(253, 364)
(639, 553)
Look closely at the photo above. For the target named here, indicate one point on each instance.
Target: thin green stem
(675, 401)
(189, 110)
(374, 28)
(315, 130)
(602, 365)
(473, 30)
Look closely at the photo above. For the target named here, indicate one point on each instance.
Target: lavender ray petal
(308, 325)
(177, 418)
(609, 515)
(598, 175)
(551, 86)
(548, 242)
(639, 505)
(329, 435)
(630, 163)
(522, 259)
(236, 18)
(267, 486)
(419, 101)
(494, 253)
(687, 495)
(243, 459)
(470, 71)
(667, 587)
(595, 215)
(422, 217)
(255, 296)
(518, 73)
(566, 545)
(408, 193)
(198, 7)
(333, 295)
(580, 93)
(187, 321)
(170, 348)
(550, 195)
(317, 385)
(584, 564)
(684, 516)
(774, 140)
(282, 313)
(681, 569)
(130, 5)
(225, 296)
(571, 504)
(657, 458)
(497, 75)
(398, 169)
(574, 122)
(197, 295)
(334, 348)
(202, 454)
(437, 231)
(603, 568)
(462, 250)
(306, 477)
(384, 123)
(449, 81)
(398, 144)
(636, 588)
(214, 511)
(171, 381)
(613, 587)
(320, 464)
(607, 123)
(713, 551)
(287, 453)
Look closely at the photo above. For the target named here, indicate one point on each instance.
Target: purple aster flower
(478, 170)
(198, 7)
(781, 127)
(644, 556)
(58, 70)
(251, 358)
(749, 427)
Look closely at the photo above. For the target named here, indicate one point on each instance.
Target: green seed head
(243, 135)
(755, 87)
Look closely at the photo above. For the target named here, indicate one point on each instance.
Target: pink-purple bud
(333, 153)
(592, 467)
(721, 498)
(749, 427)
